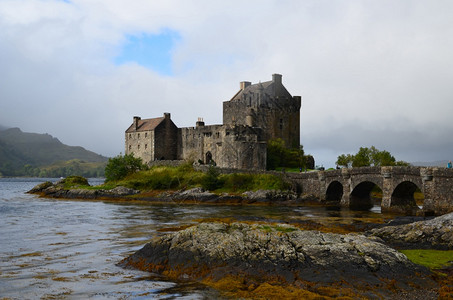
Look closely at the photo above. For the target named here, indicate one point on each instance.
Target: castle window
(138, 135)
(146, 146)
(281, 124)
(146, 135)
(130, 147)
(130, 135)
(138, 147)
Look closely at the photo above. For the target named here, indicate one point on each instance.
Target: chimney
(167, 115)
(277, 78)
(136, 119)
(244, 84)
(200, 122)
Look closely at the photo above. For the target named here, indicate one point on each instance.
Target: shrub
(73, 181)
(121, 166)
(211, 180)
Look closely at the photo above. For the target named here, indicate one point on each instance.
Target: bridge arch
(360, 197)
(403, 195)
(334, 193)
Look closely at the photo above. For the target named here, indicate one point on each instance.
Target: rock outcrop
(194, 195)
(57, 190)
(436, 233)
(260, 253)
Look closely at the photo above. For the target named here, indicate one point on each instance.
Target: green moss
(433, 259)
(268, 228)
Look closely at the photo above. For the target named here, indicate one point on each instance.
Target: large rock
(271, 195)
(195, 194)
(281, 253)
(436, 233)
(57, 190)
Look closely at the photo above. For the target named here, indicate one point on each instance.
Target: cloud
(369, 73)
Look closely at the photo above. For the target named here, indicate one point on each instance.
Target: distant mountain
(3, 127)
(439, 163)
(19, 149)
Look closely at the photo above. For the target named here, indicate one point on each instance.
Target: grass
(74, 182)
(186, 177)
(433, 259)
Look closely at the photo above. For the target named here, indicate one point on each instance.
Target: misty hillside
(440, 163)
(18, 149)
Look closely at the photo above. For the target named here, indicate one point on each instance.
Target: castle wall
(279, 118)
(166, 141)
(152, 139)
(225, 146)
(140, 144)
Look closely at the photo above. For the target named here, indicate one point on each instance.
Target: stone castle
(256, 113)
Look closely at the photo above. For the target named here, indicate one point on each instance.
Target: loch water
(69, 249)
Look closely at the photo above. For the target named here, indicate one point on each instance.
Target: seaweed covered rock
(259, 254)
(436, 233)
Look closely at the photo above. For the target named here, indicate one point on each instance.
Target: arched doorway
(208, 160)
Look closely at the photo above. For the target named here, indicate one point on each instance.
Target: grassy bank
(433, 259)
(186, 177)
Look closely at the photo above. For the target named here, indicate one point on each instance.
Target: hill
(23, 153)
(439, 163)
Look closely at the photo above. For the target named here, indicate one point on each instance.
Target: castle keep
(256, 113)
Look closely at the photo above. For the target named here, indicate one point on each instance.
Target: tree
(275, 153)
(383, 158)
(211, 180)
(119, 167)
(366, 157)
(344, 160)
(280, 156)
(362, 158)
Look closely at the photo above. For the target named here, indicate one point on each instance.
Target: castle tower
(274, 110)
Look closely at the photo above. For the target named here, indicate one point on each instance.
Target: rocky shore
(240, 258)
(436, 233)
(194, 195)
(58, 190)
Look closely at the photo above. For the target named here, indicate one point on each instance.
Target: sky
(370, 73)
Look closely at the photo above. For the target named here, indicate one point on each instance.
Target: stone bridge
(352, 187)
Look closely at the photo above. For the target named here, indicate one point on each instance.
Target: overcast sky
(369, 72)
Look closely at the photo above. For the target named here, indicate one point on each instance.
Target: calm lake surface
(68, 249)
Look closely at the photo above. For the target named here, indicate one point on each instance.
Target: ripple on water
(53, 249)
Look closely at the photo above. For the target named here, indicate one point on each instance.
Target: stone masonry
(255, 114)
